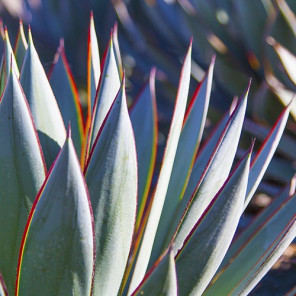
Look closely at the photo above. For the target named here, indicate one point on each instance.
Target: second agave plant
(79, 214)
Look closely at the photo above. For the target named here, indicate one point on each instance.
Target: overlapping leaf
(161, 279)
(186, 152)
(22, 172)
(3, 289)
(164, 175)
(144, 120)
(43, 105)
(111, 176)
(21, 46)
(66, 93)
(58, 243)
(205, 247)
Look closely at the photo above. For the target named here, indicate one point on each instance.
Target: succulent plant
(96, 224)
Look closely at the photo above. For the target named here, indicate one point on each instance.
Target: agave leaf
(43, 105)
(205, 247)
(213, 176)
(144, 120)
(260, 251)
(292, 292)
(186, 152)
(111, 176)
(22, 172)
(20, 46)
(58, 244)
(265, 154)
(161, 279)
(164, 175)
(117, 50)
(8, 61)
(3, 289)
(108, 87)
(93, 66)
(287, 58)
(66, 93)
(288, 15)
(259, 220)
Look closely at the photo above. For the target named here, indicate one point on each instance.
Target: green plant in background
(94, 224)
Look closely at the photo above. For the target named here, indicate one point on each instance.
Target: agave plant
(95, 224)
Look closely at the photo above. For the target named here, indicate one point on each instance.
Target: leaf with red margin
(164, 175)
(204, 248)
(8, 60)
(111, 176)
(258, 254)
(3, 289)
(66, 93)
(22, 172)
(57, 249)
(161, 279)
(265, 154)
(46, 114)
(20, 46)
(186, 152)
(144, 120)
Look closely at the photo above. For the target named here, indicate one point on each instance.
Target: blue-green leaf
(21, 46)
(57, 252)
(3, 289)
(22, 172)
(111, 176)
(43, 105)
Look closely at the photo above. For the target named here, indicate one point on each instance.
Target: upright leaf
(93, 67)
(144, 120)
(57, 252)
(3, 289)
(108, 87)
(20, 46)
(117, 50)
(22, 172)
(164, 175)
(111, 176)
(207, 243)
(161, 279)
(43, 105)
(66, 93)
(8, 61)
(186, 152)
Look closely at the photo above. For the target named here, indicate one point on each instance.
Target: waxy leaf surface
(21, 46)
(22, 172)
(43, 105)
(58, 243)
(111, 176)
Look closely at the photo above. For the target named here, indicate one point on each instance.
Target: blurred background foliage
(245, 36)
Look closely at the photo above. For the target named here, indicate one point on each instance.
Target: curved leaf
(3, 289)
(57, 252)
(161, 279)
(22, 172)
(111, 176)
(144, 120)
(186, 152)
(203, 250)
(20, 46)
(43, 105)
(164, 175)
(66, 93)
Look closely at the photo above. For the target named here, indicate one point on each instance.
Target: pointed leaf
(108, 87)
(258, 253)
(144, 120)
(43, 105)
(186, 152)
(66, 93)
(213, 176)
(58, 246)
(205, 247)
(21, 46)
(265, 154)
(22, 172)
(164, 175)
(8, 60)
(117, 50)
(161, 279)
(3, 289)
(111, 176)
(93, 66)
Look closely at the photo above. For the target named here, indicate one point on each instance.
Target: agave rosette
(93, 224)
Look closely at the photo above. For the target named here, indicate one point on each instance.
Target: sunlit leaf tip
(3, 288)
